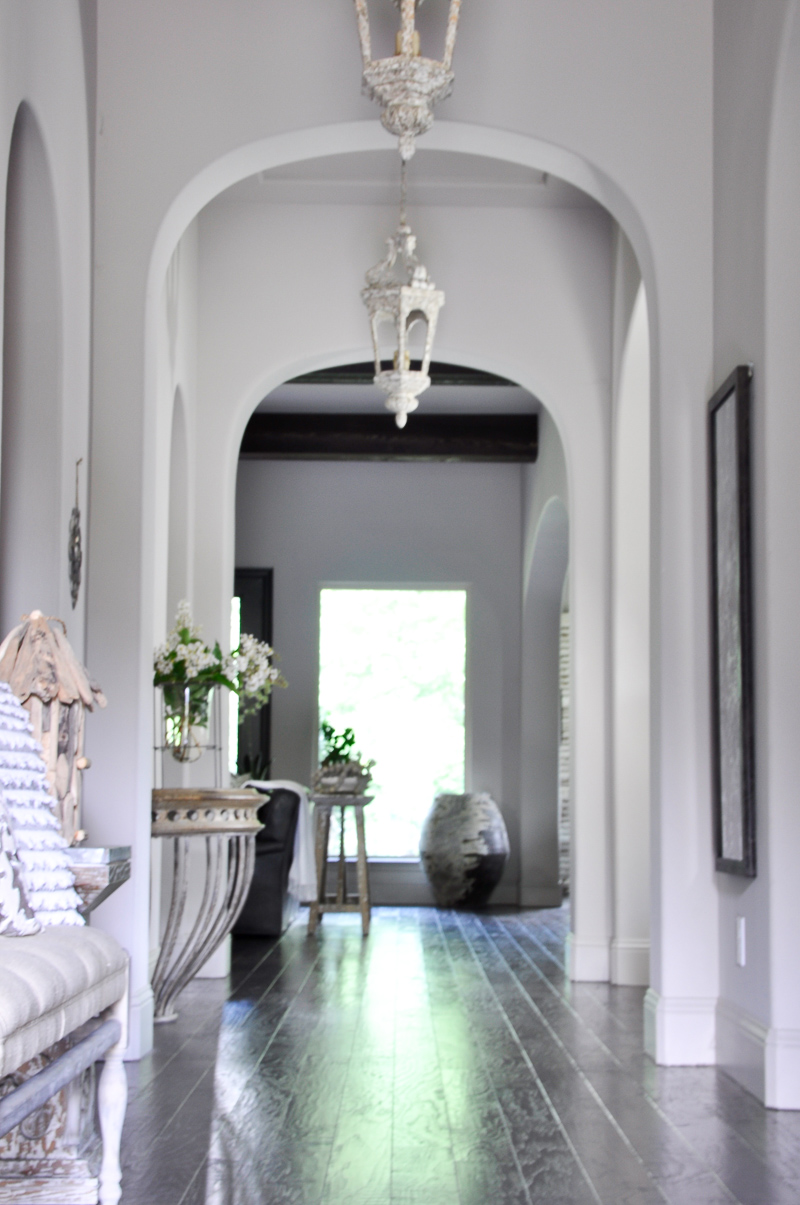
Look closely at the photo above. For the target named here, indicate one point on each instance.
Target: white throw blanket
(303, 871)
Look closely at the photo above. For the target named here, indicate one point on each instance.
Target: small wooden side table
(341, 901)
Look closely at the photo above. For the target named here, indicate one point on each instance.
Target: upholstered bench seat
(51, 983)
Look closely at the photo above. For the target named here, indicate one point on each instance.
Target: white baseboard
(541, 897)
(741, 1046)
(763, 1060)
(588, 959)
(680, 1031)
(630, 961)
(140, 1025)
(782, 1069)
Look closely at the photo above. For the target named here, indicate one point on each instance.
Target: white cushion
(50, 984)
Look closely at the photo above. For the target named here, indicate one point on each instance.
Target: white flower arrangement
(185, 660)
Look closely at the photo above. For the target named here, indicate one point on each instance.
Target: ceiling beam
(491, 438)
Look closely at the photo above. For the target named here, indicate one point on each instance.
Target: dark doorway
(253, 588)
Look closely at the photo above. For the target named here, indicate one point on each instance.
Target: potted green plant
(341, 771)
(187, 671)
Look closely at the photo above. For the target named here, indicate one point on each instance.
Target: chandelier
(407, 86)
(402, 301)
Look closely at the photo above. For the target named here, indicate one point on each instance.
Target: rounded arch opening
(32, 551)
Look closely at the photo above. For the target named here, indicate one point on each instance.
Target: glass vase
(187, 711)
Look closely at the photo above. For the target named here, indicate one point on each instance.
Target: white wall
(321, 524)
(757, 306)
(630, 947)
(545, 560)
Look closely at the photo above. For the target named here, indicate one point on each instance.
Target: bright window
(392, 669)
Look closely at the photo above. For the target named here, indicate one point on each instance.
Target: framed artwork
(732, 626)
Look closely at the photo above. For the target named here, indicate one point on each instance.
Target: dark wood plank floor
(445, 1060)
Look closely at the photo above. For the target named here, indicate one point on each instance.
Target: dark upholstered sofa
(270, 907)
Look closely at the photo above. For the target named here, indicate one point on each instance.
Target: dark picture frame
(732, 728)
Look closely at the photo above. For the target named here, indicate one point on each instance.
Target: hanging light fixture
(407, 86)
(399, 295)
(403, 305)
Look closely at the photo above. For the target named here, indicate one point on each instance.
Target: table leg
(363, 871)
(322, 818)
(341, 878)
(230, 859)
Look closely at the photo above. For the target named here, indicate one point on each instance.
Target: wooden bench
(63, 1005)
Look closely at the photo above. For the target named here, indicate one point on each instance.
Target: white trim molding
(741, 1046)
(680, 1031)
(140, 1025)
(782, 1069)
(587, 959)
(630, 961)
(764, 1060)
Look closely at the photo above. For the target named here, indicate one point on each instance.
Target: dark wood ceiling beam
(492, 438)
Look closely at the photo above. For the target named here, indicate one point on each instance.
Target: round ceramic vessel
(464, 848)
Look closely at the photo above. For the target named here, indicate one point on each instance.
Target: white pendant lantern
(403, 304)
(408, 85)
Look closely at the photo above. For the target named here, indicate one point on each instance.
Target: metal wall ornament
(407, 85)
(74, 549)
(400, 294)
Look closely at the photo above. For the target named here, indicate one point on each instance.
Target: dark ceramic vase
(464, 848)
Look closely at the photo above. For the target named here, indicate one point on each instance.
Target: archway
(32, 544)
(586, 469)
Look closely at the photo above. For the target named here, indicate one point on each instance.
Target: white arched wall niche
(31, 563)
(677, 978)
(45, 89)
(544, 576)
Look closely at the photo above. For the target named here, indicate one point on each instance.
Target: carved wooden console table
(228, 821)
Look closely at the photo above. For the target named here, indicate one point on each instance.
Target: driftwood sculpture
(38, 663)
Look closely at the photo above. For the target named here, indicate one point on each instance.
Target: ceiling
(434, 178)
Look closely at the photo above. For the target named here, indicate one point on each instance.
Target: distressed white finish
(48, 881)
(112, 1099)
(40, 666)
(407, 86)
(50, 985)
(399, 300)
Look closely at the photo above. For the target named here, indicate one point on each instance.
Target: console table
(228, 821)
(341, 901)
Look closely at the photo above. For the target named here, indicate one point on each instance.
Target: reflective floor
(445, 1060)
